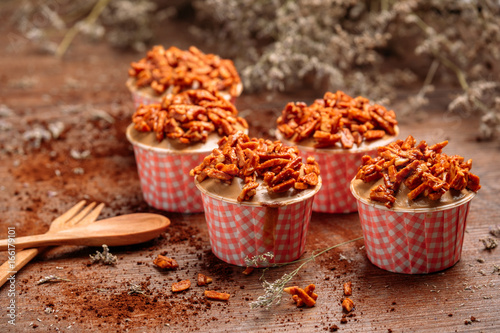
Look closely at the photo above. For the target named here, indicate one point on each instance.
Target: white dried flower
(56, 129)
(77, 155)
(36, 136)
(105, 256)
(259, 260)
(5, 111)
(51, 278)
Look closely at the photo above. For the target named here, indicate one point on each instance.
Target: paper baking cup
(165, 180)
(145, 99)
(338, 167)
(245, 230)
(416, 241)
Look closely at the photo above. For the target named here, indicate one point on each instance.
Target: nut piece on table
(248, 270)
(347, 305)
(165, 262)
(203, 280)
(348, 288)
(215, 295)
(302, 297)
(181, 286)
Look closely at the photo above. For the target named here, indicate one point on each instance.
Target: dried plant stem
(431, 73)
(451, 65)
(71, 34)
(314, 256)
(273, 291)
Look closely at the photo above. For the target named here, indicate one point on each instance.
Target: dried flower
(489, 243)
(259, 260)
(79, 155)
(495, 231)
(51, 278)
(136, 289)
(274, 291)
(105, 256)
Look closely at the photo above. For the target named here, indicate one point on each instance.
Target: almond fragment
(304, 296)
(203, 280)
(215, 295)
(165, 262)
(348, 288)
(248, 270)
(347, 305)
(181, 286)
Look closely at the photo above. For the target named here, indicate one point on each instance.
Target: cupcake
(163, 72)
(257, 195)
(413, 203)
(337, 131)
(173, 137)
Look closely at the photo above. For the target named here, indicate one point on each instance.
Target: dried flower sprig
(489, 243)
(274, 291)
(136, 289)
(51, 278)
(259, 260)
(105, 256)
(495, 231)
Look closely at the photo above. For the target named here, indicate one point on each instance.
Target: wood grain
(384, 301)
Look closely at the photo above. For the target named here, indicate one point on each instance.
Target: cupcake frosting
(405, 174)
(257, 170)
(337, 121)
(172, 71)
(193, 117)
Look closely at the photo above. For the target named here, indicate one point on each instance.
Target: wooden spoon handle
(10, 268)
(37, 241)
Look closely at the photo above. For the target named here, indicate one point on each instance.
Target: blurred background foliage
(371, 48)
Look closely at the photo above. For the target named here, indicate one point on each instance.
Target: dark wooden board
(41, 89)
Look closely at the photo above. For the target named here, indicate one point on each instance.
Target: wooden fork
(78, 214)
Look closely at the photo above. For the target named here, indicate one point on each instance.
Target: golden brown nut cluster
(189, 117)
(302, 297)
(279, 166)
(183, 70)
(165, 262)
(425, 170)
(337, 119)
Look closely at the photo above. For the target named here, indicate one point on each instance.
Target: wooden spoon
(116, 231)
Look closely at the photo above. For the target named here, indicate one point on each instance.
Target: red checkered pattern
(413, 243)
(237, 231)
(140, 98)
(165, 180)
(337, 171)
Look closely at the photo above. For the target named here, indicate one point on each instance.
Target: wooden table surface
(32, 195)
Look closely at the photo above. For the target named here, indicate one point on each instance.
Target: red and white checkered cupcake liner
(414, 242)
(338, 167)
(165, 180)
(164, 177)
(245, 230)
(337, 170)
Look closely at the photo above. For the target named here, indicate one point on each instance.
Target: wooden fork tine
(71, 212)
(80, 215)
(92, 216)
(67, 215)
